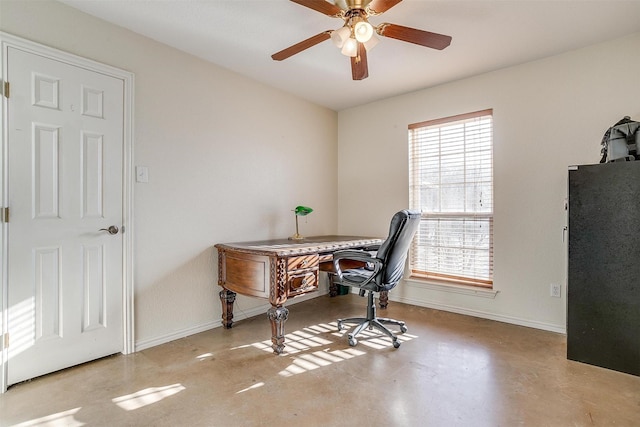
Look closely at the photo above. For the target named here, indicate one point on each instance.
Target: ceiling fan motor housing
(357, 4)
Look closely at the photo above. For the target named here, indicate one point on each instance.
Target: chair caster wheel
(353, 341)
(396, 343)
(340, 325)
(403, 329)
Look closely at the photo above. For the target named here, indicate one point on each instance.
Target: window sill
(452, 288)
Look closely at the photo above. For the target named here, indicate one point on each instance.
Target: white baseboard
(152, 342)
(560, 329)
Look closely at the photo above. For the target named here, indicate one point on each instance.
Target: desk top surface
(309, 245)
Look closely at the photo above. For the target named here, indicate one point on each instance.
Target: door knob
(111, 230)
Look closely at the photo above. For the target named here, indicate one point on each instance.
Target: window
(451, 183)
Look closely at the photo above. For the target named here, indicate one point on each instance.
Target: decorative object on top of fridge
(621, 141)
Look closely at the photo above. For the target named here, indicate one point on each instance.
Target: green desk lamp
(300, 211)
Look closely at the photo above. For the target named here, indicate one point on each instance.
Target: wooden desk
(278, 270)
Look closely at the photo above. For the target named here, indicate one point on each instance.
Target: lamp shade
(350, 47)
(339, 36)
(371, 43)
(363, 31)
(302, 210)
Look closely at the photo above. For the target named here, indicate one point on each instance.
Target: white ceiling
(241, 35)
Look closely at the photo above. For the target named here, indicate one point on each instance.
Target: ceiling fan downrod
(352, 4)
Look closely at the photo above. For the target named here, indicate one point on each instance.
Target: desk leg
(384, 299)
(227, 298)
(277, 316)
(333, 287)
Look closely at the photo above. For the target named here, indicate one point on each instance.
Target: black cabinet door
(603, 303)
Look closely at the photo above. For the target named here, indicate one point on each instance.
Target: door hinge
(4, 214)
(5, 341)
(6, 89)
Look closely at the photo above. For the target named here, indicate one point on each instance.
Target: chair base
(370, 322)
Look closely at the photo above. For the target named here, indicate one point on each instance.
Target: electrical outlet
(555, 290)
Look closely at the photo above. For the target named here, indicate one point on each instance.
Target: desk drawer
(302, 262)
(302, 282)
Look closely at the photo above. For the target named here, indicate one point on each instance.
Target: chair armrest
(353, 254)
(365, 257)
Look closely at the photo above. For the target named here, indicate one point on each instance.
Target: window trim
(452, 280)
(457, 288)
(457, 117)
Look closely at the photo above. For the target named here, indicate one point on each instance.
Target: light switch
(142, 174)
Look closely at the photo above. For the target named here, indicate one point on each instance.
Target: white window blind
(451, 183)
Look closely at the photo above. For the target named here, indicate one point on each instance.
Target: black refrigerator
(603, 287)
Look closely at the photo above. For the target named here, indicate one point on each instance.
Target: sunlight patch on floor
(308, 362)
(376, 340)
(318, 338)
(256, 385)
(204, 356)
(310, 337)
(309, 348)
(148, 396)
(60, 419)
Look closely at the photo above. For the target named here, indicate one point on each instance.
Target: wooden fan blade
(321, 6)
(303, 45)
(376, 7)
(359, 67)
(411, 35)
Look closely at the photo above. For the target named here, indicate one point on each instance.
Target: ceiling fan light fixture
(371, 43)
(350, 47)
(341, 35)
(363, 31)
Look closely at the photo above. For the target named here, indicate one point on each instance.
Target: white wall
(548, 114)
(228, 160)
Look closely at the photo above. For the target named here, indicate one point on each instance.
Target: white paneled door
(65, 184)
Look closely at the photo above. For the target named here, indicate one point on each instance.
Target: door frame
(10, 41)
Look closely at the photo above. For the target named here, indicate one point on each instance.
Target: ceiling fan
(357, 36)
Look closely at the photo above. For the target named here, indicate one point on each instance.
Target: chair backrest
(393, 251)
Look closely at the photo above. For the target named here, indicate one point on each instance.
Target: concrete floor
(451, 370)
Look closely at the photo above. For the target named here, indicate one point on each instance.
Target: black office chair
(384, 269)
